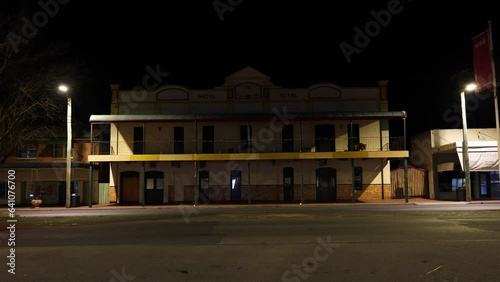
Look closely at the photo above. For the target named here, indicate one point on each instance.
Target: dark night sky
(424, 51)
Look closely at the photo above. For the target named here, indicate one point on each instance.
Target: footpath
(411, 201)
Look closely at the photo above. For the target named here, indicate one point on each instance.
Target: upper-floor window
(178, 140)
(138, 140)
(27, 151)
(325, 137)
(208, 139)
(59, 151)
(245, 138)
(287, 138)
(353, 136)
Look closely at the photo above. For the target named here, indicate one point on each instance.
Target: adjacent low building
(40, 172)
(440, 152)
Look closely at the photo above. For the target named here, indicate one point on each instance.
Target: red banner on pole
(483, 69)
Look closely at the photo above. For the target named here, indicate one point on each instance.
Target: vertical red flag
(483, 69)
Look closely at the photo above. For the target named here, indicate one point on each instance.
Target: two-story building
(39, 171)
(249, 141)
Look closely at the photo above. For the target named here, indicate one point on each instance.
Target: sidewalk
(411, 201)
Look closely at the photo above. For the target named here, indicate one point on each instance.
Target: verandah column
(249, 188)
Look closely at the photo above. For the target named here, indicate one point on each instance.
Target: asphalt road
(259, 243)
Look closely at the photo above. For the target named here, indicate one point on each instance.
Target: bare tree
(30, 107)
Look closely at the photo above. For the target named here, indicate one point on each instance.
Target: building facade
(440, 152)
(249, 141)
(40, 172)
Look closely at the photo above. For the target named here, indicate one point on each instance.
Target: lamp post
(465, 147)
(64, 89)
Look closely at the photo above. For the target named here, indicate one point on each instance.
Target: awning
(391, 115)
(483, 155)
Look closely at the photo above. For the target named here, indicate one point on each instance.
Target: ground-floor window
(154, 180)
(450, 181)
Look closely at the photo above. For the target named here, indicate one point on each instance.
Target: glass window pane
(159, 183)
(150, 183)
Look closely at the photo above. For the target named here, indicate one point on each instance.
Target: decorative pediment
(172, 92)
(324, 91)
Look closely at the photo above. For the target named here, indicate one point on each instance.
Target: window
(59, 151)
(178, 140)
(138, 140)
(353, 136)
(27, 151)
(358, 178)
(245, 138)
(287, 138)
(204, 180)
(457, 183)
(325, 137)
(208, 139)
(154, 180)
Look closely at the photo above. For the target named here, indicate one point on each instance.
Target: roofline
(389, 115)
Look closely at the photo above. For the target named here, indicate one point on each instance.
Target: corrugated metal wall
(103, 193)
(417, 182)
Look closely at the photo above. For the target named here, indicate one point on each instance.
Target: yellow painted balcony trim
(251, 156)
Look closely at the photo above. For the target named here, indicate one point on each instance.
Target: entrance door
(154, 187)
(203, 186)
(235, 186)
(288, 184)
(326, 190)
(129, 192)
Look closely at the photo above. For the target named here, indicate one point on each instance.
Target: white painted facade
(249, 98)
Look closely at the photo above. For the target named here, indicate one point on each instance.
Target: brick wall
(369, 192)
(112, 194)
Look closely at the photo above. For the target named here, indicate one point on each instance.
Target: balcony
(256, 149)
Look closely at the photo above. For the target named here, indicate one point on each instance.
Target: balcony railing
(255, 145)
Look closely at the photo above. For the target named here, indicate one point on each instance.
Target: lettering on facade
(288, 95)
(206, 96)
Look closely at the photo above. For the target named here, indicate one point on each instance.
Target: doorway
(235, 186)
(288, 184)
(203, 185)
(129, 192)
(326, 190)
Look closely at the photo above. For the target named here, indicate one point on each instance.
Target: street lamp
(64, 89)
(465, 148)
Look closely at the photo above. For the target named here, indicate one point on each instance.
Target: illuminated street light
(465, 150)
(64, 89)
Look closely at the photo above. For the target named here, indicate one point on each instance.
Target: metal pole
(302, 189)
(352, 182)
(196, 189)
(196, 186)
(90, 185)
(249, 188)
(465, 149)
(381, 135)
(405, 162)
(495, 96)
(68, 155)
(142, 185)
(300, 136)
